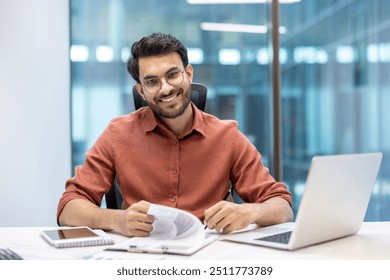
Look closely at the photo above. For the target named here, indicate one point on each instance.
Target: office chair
(198, 97)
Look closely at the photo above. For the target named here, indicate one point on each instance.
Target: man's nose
(165, 86)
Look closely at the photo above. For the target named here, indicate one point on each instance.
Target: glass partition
(335, 93)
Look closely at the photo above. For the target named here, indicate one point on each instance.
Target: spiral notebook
(76, 237)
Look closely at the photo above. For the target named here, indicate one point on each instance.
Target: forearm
(273, 211)
(228, 216)
(80, 212)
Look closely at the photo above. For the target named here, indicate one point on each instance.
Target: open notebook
(334, 203)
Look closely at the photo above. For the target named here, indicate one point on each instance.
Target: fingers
(219, 216)
(137, 229)
(227, 217)
(135, 220)
(213, 215)
(141, 206)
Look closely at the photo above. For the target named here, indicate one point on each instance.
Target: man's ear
(190, 72)
(140, 90)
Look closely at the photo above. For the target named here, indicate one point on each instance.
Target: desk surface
(371, 242)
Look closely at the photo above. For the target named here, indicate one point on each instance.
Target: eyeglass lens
(173, 78)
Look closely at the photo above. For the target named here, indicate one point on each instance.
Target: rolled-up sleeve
(95, 177)
(250, 178)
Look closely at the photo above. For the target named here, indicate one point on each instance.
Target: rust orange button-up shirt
(191, 172)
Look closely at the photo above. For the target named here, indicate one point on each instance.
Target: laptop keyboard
(283, 237)
(8, 254)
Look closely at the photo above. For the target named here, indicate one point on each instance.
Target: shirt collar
(151, 121)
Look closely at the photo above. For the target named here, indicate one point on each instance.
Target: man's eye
(173, 74)
(151, 82)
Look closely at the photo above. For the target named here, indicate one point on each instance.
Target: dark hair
(155, 44)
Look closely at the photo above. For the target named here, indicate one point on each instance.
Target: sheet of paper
(174, 231)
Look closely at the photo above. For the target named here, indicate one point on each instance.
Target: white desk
(372, 242)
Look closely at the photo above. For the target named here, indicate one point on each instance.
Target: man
(173, 154)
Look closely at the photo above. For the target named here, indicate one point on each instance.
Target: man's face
(171, 100)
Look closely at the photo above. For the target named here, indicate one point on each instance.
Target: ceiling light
(229, 56)
(104, 54)
(231, 27)
(239, 1)
(79, 53)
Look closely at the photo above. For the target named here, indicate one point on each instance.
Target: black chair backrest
(113, 197)
(198, 97)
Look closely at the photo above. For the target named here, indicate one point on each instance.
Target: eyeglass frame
(167, 80)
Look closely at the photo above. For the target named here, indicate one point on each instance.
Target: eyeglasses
(173, 78)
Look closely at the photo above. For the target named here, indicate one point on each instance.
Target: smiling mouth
(169, 99)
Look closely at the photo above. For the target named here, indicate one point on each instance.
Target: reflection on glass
(334, 88)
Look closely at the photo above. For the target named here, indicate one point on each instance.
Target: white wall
(35, 147)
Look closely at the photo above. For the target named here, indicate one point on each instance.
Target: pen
(227, 195)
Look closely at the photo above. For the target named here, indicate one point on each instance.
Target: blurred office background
(69, 67)
(334, 58)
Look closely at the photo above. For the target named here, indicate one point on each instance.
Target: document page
(174, 224)
(174, 231)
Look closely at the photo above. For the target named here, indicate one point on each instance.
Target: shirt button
(174, 142)
(172, 197)
(174, 171)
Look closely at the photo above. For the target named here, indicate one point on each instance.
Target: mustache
(171, 92)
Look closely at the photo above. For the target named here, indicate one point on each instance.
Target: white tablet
(74, 237)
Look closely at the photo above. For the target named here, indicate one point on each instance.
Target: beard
(172, 112)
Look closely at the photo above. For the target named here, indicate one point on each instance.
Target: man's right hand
(134, 221)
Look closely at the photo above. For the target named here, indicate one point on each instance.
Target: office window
(335, 90)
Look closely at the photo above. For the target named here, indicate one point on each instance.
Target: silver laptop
(338, 189)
